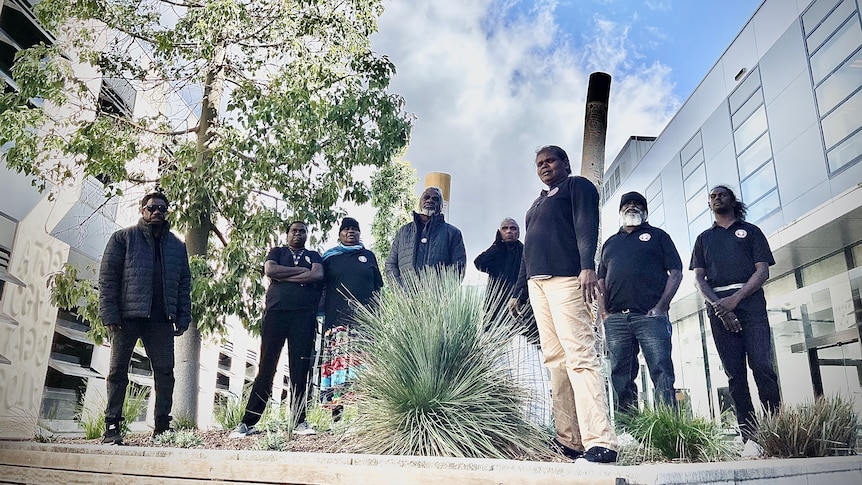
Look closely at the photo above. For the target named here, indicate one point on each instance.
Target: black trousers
(158, 340)
(298, 328)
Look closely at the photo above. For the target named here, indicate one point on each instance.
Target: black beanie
(348, 222)
(633, 196)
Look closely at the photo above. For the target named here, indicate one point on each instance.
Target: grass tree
(434, 381)
(287, 97)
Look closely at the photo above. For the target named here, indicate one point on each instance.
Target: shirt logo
(362, 259)
(645, 237)
(308, 260)
(740, 233)
(553, 191)
(423, 240)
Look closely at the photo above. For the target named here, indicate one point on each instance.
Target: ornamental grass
(826, 426)
(435, 381)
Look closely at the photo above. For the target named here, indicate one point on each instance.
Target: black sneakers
(162, 426)
(112, 434)
(600, 454)
(569, 453)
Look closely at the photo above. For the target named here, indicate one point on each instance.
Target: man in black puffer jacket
(144, 292)
(427, 241)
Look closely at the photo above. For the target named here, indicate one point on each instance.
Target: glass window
(654, 190)
(841, 84)
(753, 127)
(763, 207)
(695, 183)
(779, 286)
(761, 182)
(696, 205)
(656, 215)
(695, 162)
(833, 53)
(748, 86)
(691, 148)
(812, 18)
(825, 268)
(752, 158)
(745, 111)
(843, 120)
(850, 151)
(698, 225)
(857, 255)
(832, 22)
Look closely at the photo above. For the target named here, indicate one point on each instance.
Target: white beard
(633, 218)
(427, 212)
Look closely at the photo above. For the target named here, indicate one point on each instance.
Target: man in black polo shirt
(731, 262)
(290, 315)
(639, 272)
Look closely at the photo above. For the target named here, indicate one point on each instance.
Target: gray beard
(427, 212)
(633, 218)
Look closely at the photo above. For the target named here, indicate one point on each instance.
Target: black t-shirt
(635, 268)
(354, 273)
(728, 255)
(282, 295)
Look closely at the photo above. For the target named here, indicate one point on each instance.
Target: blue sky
(490, 81)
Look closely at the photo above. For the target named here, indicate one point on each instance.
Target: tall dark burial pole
(596, 128)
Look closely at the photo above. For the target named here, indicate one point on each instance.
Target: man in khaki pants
(558, 270)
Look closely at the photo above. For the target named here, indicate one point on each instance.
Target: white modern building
(779, 119)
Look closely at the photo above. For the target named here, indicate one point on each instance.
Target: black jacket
(126, 276)
(445, 247)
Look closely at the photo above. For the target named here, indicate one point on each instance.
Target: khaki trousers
(568, 347)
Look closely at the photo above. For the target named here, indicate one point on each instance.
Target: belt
(734, 286)
(629, 311)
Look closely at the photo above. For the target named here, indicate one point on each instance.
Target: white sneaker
(242, 430)
(752, 450)
(303, 428)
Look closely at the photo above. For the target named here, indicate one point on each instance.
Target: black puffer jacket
(126, 276)
(445, 248)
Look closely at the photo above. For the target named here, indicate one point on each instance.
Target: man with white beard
(639, 273)
(427, 241)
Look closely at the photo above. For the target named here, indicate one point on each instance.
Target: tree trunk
(188, 347)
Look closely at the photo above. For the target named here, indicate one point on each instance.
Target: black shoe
(600, 454)
(162, 426)
(569, 453)
(112, 434)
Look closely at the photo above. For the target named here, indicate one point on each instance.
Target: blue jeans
(754, 345)
(624, 333)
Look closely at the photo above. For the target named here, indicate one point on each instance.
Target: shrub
(663, 432)
(93, 420)
(828, 425)
(434, 382)
(272, 441)
(184, 423)
(180, 439)
(229, 410)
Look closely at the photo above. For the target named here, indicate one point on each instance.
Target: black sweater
(561, 232)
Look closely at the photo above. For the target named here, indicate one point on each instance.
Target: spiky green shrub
(229, 410)
(826, 426)
(272, 441)
(663, 432)
(91, 420)
(434, 381)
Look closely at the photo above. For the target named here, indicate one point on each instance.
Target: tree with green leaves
(286, 97)
(392, 195)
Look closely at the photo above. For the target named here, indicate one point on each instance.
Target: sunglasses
(161, 208)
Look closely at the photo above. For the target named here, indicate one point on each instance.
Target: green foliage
(229, 410)
(826, 426)
(184, 423)
(293, 100)
(70, 291)
(663, 432)
(272, 441)
(180, 439)
(434, 382)
(392, 195)
(93, 421)
(134, 404)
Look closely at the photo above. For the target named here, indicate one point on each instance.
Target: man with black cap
(639, 273)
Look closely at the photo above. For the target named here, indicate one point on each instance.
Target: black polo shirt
(728, 255)
(635, 268)
(283, 295)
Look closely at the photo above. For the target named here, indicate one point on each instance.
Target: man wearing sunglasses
(144, 293)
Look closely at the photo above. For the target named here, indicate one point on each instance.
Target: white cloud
(489, 87)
